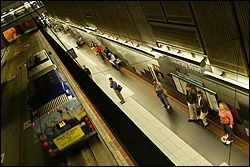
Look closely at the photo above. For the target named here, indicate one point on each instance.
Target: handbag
(119, 88)
(165, 92)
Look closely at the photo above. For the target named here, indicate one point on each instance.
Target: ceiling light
(223, 74)
(203, 62)
(168, 48)
(10, 9)
(193, 55)
(227, 80)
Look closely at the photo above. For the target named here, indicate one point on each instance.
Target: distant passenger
(226, 121)
(159, 90)
(114, 85)
(86, 70)
(201, 104)
(79, 41)
(93, 47)
(113, 61)
(107, 51)
(191, 98)
(99, 50)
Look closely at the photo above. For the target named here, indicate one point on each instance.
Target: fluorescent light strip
(227, 80)
(133, 47)
(93, 29)
(190, 58)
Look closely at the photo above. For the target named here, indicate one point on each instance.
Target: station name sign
(186, 65)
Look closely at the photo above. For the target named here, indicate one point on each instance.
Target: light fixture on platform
(203, 62)
(223, 74)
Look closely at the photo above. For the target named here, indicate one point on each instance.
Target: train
(56, 115)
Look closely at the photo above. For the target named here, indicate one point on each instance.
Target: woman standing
(226, 120)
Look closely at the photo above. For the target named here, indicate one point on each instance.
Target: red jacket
(99, 49)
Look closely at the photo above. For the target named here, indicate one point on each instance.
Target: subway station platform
(185, 144)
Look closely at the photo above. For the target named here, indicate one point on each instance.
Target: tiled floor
(184, 143)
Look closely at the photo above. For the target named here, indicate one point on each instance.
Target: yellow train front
(63, 127)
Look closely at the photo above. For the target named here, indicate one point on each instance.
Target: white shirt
(113, 58)
(199, 100)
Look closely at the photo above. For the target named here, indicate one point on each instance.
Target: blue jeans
(163, 98)
(227, 129)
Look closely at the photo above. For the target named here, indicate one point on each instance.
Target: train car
(39, 64)
(57, 117)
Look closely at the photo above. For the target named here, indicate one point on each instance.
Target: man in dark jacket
(191, 98)
(201, 104)
(86, 70)
(107, 51)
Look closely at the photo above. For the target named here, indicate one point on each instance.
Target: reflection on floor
(184, 143)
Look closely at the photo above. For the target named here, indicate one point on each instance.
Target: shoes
(122, 102)
(168, 107)
(197, 120)
(163, 106)
(229, 142)
(205, 126)
(191, 120)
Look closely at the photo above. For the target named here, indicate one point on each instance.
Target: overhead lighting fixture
(227, 80)
(177, 56)
(10, 9)
(125, 43)
(223, 74)
(203, 62)
(168, 48)
(90, 28)
(193, 55)
(4, 12)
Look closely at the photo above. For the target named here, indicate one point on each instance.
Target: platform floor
(184, 143)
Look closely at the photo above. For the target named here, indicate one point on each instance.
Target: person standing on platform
(92, 45)
(201, 104)
(114, 85)
(226, 121)
(191, 98)
(107, 51)
(99, 50)
(86, 70)
(159, 90)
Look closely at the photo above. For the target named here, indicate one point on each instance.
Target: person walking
(86, 70)
(226, 121)
(114, 85)
(159, 90)
(191, 98)
(201, 104)
(99, 50)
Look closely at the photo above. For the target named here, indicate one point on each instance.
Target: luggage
(119, 88)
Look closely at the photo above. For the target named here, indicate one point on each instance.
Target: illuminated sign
(61, 124)
(68, 137)
(186, 65)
